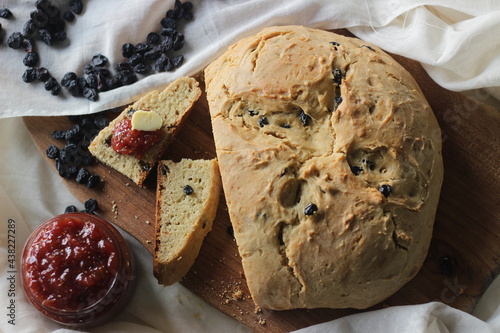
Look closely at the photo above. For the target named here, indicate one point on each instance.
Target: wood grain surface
(464, 256)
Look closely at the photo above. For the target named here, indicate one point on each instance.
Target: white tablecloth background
(456, 41)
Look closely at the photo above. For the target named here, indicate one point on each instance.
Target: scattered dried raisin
(82, 176)
(29, 75)
(127, 50)
(52, 152)
(90, 94)
(91, 206)
(67, 78)
(76, 6)
(69, 16)
(153, 38)
(71, 209)
(42, 74)
(15, 40)
(31, 59)
(93, 181)
(5, 13)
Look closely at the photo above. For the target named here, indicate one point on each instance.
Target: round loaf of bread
(330, 158)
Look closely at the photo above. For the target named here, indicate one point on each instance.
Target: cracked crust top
(330, 158)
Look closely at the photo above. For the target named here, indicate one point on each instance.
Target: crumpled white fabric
(456, 41)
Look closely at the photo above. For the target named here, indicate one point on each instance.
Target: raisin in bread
(330, 158)
(187, 198)
(173, 104)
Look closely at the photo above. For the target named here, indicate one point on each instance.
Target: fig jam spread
(76, 269)
(128, 141)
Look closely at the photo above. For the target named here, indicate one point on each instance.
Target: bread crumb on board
(232, 292)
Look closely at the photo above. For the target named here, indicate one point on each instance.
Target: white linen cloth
(456, 40)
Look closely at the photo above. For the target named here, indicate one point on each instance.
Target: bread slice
(173, 104)
(187, 198)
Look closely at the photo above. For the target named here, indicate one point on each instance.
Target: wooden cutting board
(464, 255)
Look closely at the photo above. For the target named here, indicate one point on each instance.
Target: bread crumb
(258, 312)
(238, 294)
(114, 207)
(232, 292)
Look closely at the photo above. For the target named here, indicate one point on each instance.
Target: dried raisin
(46, 36)
(143, 47)
(71, 209)
(76, 6)
(29, 29)
(50, 84)
(5, 13)
(127, 50)
(52, 152)
(356, 170)
(304, 118)
(91, 206)
(29, 75)
(188, 190)
(142, 68)
(263, 121)
(153, 38)
(74, 88)
(310, 209)
(99, 60)
(39, 18)
(67, 78)
(337, 76)
(42, 74)
(93, 181)
(135, 59)
(15, 40)
(152, 55)
(90, 94)
(169, 23)
(31, 59)
(58, 135)
(177, 61)
(82, 176)
(69, 16)
(385, 190)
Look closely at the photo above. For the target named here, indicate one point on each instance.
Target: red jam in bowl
(77, 269)
(128, 141)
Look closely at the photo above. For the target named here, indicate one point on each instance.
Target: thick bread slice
(183, 219)
(173, 104)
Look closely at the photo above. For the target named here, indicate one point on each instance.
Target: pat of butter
(146, 120)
